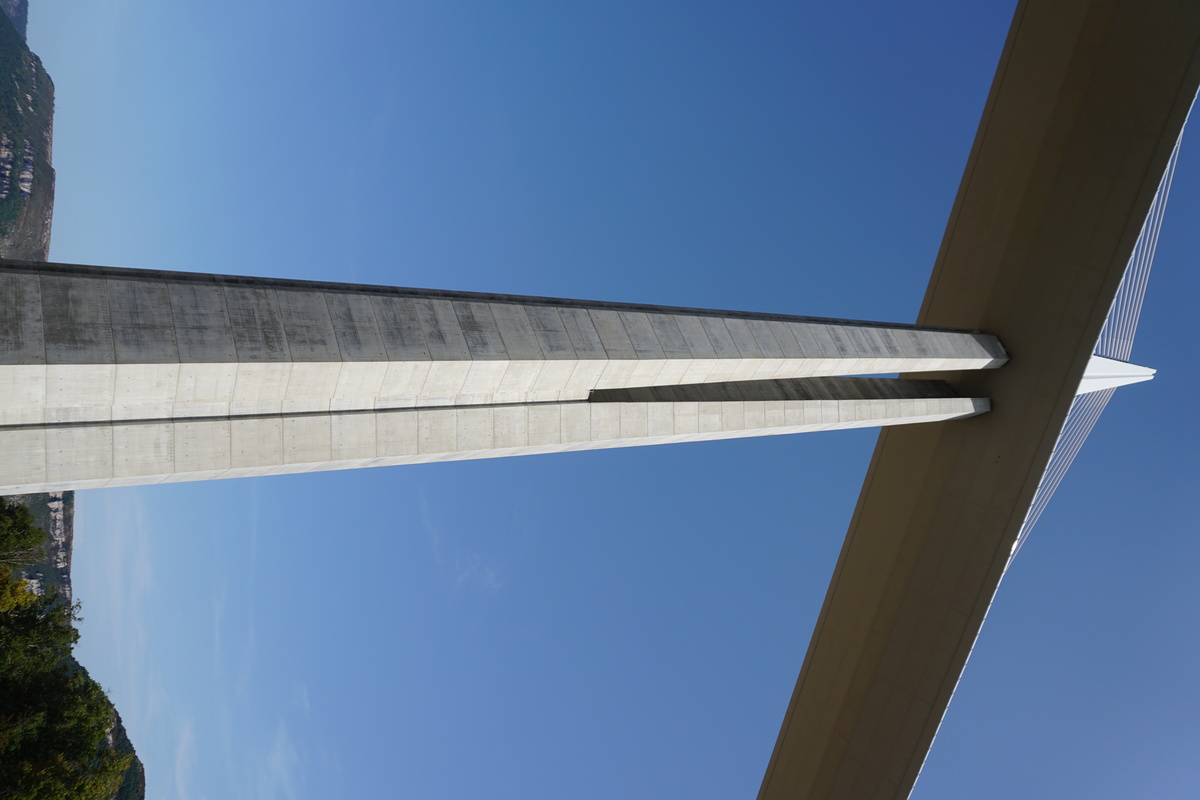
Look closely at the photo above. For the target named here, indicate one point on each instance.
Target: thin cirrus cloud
(185, 762)
(281, 772)
(460, 567)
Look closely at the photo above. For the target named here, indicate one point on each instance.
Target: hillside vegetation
(60, 736)
(55, 721)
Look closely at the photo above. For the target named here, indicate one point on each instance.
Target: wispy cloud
(243, 677)
(185, 762)
(432, 530)
(234, 650)
(463, 568)
(120, 567)
(219, 603)
(470, 571)
(280, 772)
(300, 698)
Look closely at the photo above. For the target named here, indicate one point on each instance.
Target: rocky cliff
(26, 132)
(55, 514)
(18, 12)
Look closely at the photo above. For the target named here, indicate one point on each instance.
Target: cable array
(1115, 342)
(1116, 337)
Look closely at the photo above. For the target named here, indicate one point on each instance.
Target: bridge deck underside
(1087, 103)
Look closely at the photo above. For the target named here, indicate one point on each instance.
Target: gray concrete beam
(133, 344)
(38, 458)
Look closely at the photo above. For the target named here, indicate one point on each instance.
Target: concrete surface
(115, 376)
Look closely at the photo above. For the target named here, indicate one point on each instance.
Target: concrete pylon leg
(129, 453)
(115, 376)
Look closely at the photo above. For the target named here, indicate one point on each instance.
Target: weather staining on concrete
(115, 376)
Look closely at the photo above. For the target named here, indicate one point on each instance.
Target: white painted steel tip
(1108, 373)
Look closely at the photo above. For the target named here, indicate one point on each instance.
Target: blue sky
(589, 625)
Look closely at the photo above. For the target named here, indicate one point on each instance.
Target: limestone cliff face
(26, 132)
(18, 12)
(55, 514)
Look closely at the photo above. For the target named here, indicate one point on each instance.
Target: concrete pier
(116, 376)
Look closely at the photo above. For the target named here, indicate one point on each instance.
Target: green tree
(21, 540)
(55, 721)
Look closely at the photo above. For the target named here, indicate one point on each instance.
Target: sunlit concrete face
(138, 453)
(114, 377)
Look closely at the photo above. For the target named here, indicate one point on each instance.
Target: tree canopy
(54, 720)
(21, 540)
